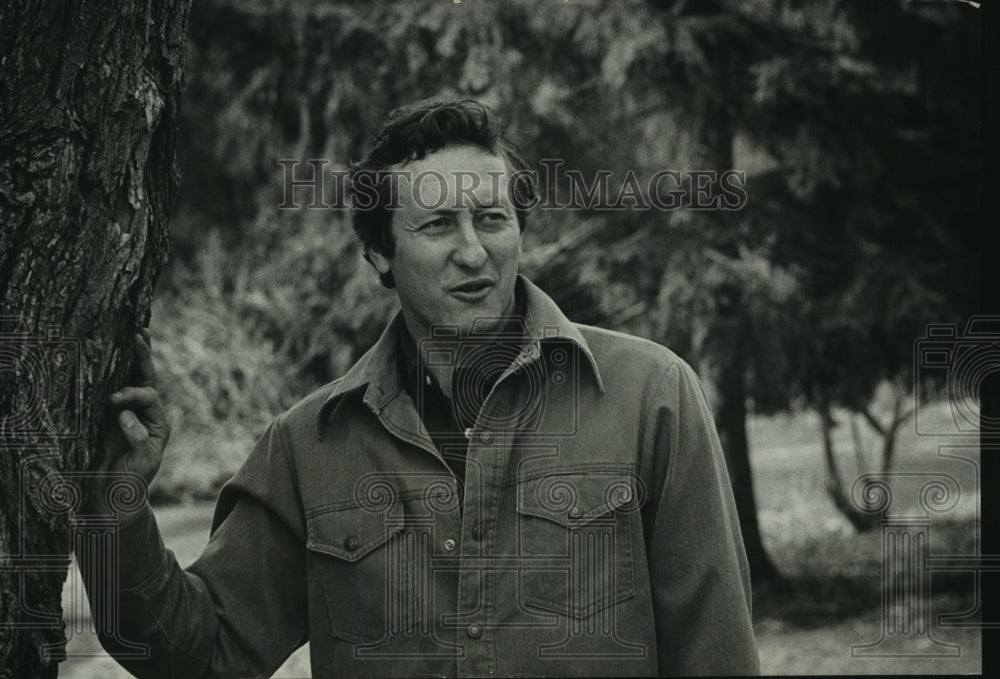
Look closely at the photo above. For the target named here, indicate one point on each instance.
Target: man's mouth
(473, 290)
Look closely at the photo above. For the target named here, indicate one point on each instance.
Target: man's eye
(438, 223)
(494, 217)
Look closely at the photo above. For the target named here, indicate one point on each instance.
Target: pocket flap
(574, 499)
(350, 533)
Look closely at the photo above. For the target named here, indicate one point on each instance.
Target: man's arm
(240, 609)
(698, 566)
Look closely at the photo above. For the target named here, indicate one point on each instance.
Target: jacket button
(486, 436)
(449, 544)
(351, 544)
(474, 631)
(477, 532)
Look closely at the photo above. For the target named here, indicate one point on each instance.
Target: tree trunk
(732, 426)
(708, 122)
(863, 521)
(88, 119)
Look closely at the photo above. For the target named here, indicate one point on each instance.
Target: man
(491, 490)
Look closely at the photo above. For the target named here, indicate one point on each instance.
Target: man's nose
(469, 251)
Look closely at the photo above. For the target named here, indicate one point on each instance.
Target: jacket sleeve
(698, 566)
(239, 610)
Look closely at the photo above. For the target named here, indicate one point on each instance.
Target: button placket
(490, 448)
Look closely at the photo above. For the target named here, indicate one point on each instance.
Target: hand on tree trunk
(135, 432)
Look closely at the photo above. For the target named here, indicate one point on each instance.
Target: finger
(133, 431)
(134, 397)
(143, 371)
(143, 401)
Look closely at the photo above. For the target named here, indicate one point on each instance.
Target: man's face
(457, 240)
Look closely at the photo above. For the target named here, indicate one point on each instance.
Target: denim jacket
(598, 536)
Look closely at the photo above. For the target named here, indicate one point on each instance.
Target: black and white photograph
(523, 338)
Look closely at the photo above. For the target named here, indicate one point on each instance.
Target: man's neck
(510, 330)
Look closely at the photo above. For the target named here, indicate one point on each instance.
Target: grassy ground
(830, 600)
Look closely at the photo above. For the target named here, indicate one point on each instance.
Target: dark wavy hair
(409, 133)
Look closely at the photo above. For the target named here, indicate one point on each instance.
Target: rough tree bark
(89, 95)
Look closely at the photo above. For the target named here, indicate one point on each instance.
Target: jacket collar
(377, 370)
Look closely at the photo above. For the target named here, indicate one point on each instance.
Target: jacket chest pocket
(575, 539)
(358, 555)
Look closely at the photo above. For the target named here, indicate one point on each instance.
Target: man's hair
(409, 133)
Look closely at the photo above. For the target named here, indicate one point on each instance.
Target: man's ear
(379, 261)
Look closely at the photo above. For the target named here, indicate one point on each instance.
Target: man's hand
(135, 429)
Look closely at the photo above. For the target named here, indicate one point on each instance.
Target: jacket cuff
(139, 551)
